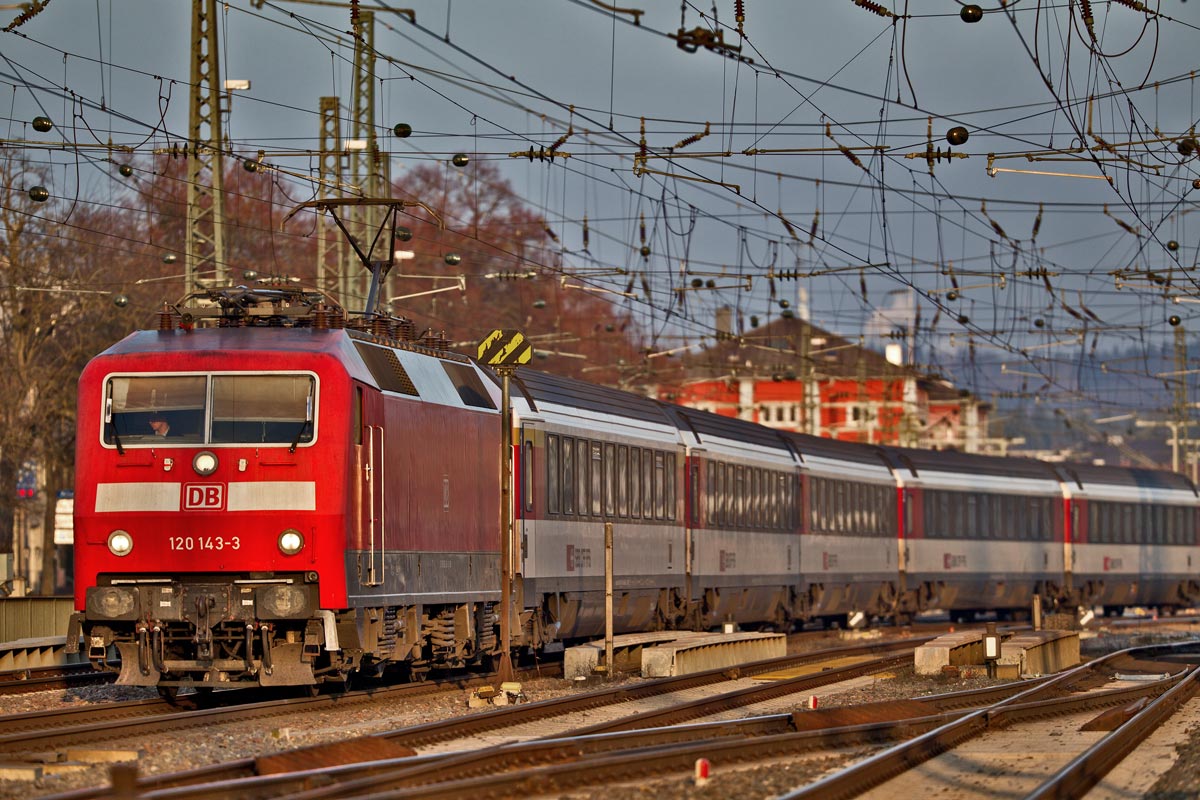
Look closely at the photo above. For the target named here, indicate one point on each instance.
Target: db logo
(207, 496)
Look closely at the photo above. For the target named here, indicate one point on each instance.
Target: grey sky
(814, 63)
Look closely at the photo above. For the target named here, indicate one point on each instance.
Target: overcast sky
(489, 78)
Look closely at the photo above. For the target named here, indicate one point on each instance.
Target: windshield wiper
(116, 437)
(299, 433)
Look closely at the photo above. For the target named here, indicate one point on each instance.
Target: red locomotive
(274, 502)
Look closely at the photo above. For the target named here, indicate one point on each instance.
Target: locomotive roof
(307, 340)
(544, 388)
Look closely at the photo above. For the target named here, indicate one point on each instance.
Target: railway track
(639, 747)
(403, 742)
(91, 724)
(41, 679)
(1142, 710)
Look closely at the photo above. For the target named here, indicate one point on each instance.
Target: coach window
(755, 480)
(527, 473)
(660, 487)
(636, 483)
(610, 479)
(672, 482)
(568, 475)
(623, 481)
(271, 409)
(648, 484)
(594, 454)
(553, 475)
(707, 497)
(131, 404)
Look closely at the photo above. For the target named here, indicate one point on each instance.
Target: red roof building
(789, 374)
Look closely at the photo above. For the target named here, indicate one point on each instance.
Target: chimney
(724, 322)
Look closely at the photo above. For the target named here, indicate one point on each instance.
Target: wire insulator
(642, 228)
(695, 137)
(585, 232)
(560, 141)
(791, 231)
(166, 318)
(1134, 4)
(31, 11)
(739, 14)
(995, 225)
(875, 8)
(1085, 11)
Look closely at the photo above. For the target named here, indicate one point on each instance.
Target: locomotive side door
(371, 476)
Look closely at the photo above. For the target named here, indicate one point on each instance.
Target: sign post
(504, 351)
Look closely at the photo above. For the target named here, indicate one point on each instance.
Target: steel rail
(869, 718)
(881, 767)
(1090, 767)
(460, 727)
(480, 775)
(56, 729)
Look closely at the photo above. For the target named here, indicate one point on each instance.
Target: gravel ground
(173, 752)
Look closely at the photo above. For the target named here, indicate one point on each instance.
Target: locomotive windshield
(210, 409)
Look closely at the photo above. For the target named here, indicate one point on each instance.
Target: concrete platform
(49, 651)
(659, 654)
(1025, 653)
(1037, 653)
(582, 660)
(958, 649)
(711, 651)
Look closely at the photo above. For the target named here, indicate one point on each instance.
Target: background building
(792, 375)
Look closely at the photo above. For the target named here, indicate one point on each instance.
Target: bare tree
(61, 264)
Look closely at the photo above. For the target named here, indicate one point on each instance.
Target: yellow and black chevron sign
(500, 348)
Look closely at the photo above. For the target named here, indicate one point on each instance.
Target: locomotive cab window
(145, 410)
(267, 409)
(216, 409)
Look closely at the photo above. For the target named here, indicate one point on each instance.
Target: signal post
(504, 351)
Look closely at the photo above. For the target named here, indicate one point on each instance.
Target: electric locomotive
(280, 500)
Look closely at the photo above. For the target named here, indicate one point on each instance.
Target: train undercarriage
(266, 631)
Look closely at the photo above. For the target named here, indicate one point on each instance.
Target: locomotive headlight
(120, 543)
(290, 541)
(205, 463)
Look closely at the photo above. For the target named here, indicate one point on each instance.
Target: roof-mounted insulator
(166, 318)
(320, 317)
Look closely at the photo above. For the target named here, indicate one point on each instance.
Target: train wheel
(169, 693)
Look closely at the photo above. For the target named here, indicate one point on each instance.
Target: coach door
(372, 480)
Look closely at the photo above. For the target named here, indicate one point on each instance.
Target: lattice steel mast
(205, 246)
